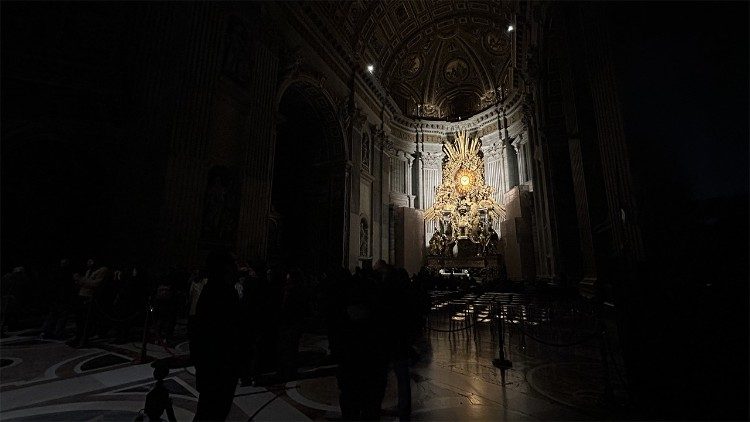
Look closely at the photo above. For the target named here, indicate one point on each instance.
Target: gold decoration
(463, 202)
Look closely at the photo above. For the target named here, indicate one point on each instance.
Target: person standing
(88, 285)
(13, 288)
(62, 291)
(197, 282)
(363, 362)
(215, 346)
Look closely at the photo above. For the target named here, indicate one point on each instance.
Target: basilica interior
(568, 187)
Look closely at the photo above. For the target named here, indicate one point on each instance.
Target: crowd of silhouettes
(375, 317)
(247, 321)
(101, 300)
(244, 321)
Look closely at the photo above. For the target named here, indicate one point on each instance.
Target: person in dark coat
(157, 400)
(215, 349)
(363, 363)
(294, 308)
(62, 295)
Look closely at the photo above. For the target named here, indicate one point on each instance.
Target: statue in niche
(366, 151)
(236, 63)
(219, 214)
(364, 238)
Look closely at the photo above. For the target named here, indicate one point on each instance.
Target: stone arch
(309, 177)
(317, 95)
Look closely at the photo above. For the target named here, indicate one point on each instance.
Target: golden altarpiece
(464, 210)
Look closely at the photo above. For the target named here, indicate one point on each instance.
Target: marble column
(408, 176)
(432, 170)
(494, 175)
(387, 152)
(258, 160)
(186, 173)
(542, 231)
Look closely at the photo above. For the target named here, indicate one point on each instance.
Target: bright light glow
(511, 28)
(465, 180)
(370, 68)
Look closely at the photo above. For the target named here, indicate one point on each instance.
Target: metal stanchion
(144, 355)
(501, 362)
(522, 323)
(85, 338)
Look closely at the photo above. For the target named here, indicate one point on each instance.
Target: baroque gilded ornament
(463, 206)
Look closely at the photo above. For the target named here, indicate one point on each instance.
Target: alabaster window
(364, 238)
(366, 151)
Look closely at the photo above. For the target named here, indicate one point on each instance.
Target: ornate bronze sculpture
(464, 205)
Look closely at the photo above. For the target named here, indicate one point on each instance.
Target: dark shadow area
(307, 196)
(683, 71)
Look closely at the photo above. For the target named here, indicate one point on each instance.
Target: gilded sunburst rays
(463, 182)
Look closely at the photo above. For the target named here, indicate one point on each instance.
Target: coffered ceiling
(441, 59)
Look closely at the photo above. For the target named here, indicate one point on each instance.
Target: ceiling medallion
(496, 43)
(456, 70)
(411, 66)
(428, 110)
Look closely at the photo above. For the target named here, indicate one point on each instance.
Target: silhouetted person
(334, 285)
(157, 400)
(13, 287)
(197, 282)
(250, 304)
(88, 284)
(270, 296)
(362, 363)
(165, 307)
(62, 293)
(126, 303)
(294, 307)
(402, 314)
(215, 345)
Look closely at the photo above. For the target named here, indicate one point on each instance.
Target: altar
(464, 210)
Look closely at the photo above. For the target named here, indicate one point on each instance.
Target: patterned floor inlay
(454, 379)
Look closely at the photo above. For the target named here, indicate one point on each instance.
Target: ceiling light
(511, 28)
(370, 68)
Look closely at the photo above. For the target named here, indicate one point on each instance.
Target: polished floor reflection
(563, 368)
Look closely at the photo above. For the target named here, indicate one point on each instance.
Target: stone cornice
(435, 131)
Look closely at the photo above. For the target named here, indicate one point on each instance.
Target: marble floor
(557, 372)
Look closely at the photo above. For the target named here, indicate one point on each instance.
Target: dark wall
(683, 80)
(113, 117)
(76, 174)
